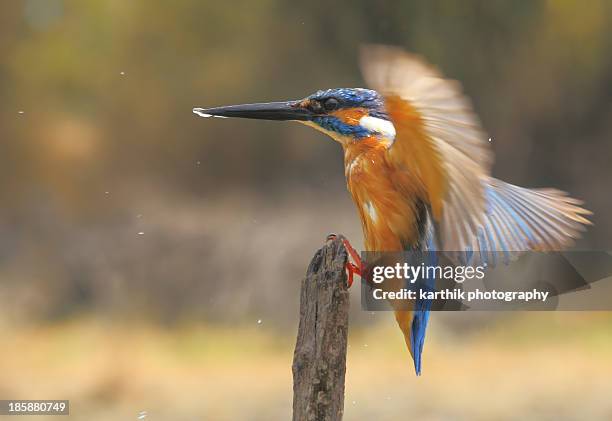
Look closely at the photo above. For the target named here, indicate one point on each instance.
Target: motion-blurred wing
(517, 219)
(439, 139)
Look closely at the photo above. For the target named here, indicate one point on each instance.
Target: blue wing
(518, 219)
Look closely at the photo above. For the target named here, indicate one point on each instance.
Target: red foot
(351, 268)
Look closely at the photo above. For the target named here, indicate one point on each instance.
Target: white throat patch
(378, 125)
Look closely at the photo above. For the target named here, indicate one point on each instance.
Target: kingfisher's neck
(355, 147)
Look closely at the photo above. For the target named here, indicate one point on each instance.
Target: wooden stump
(319, 360)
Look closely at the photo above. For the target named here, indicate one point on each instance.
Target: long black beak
(287, 110)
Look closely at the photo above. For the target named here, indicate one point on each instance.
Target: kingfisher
(418, 167)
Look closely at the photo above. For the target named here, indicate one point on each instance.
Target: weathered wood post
(319, 360)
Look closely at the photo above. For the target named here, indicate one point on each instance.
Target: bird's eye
(331, 104)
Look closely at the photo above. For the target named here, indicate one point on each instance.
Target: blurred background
(150, 260)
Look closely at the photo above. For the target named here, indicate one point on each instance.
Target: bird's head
(345, 114)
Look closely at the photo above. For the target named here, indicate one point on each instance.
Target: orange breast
(386, 199)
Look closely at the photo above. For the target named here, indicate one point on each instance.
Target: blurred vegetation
(548, 366)
(117, 200)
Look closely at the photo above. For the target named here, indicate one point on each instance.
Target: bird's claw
(351, 268)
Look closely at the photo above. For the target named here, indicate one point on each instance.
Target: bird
(418, 164)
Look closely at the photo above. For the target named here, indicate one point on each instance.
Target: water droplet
(106, 192)
(20, 112)
(490, 139)
(122, 73)
(258, 321)
(142, 415)
(141, 233)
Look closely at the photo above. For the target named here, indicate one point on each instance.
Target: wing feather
(440, 142)
(439, 139)
(519, 219)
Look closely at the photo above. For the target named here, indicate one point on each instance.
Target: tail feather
(414, 323)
